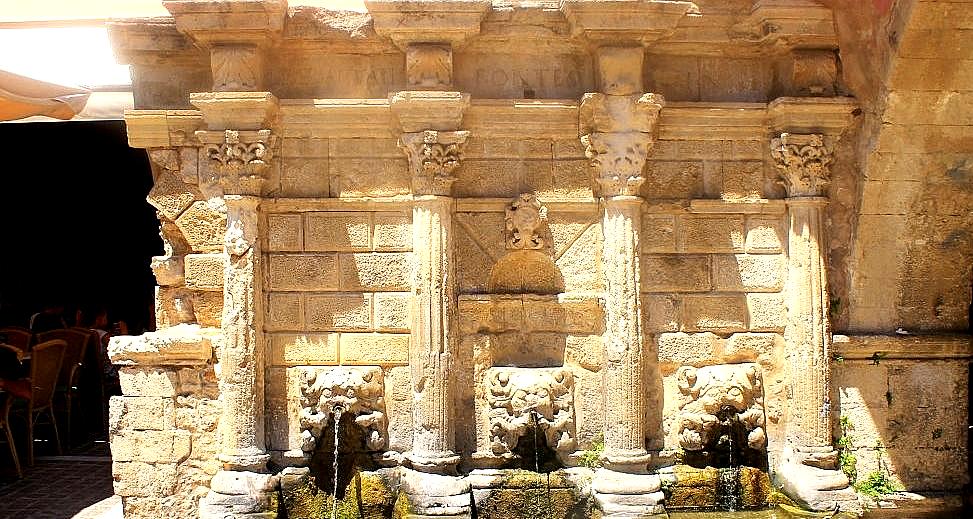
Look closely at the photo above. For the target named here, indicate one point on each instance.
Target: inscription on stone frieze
(312, 75)
(563, 76)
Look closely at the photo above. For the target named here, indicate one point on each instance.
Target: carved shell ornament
(523, 217)
(803, 161)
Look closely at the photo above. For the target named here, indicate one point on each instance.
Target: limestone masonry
(608, 243)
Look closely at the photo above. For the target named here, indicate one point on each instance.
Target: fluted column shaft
(808, 334)
(241, 356)
(623, 376)
(432, 338)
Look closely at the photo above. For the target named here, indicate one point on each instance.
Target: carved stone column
(617, 134)
(617, 130)
(433, 156)
(810, 466)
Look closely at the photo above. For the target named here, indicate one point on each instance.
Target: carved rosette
(242, 158)
(358, 391)
(521, 397)
(433, 157)
(523, 220)
(803, 162)
(617, 133)
(734, 389)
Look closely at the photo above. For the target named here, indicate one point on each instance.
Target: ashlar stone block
(171, 196)
(138, 479)
(392, 311)
(379, 271)
(288, 349)
(203, 225)
(285, 311)
(748, 273)
(374, 348)
(392, 231)
(337, 231)
(205, 271)
(303, 272)
(285, 233)
(141, 413)
(328, 312)
(676, 273)
(171, 446)
(148, 381)
(711, 234)
(720, 313)
(689, 349)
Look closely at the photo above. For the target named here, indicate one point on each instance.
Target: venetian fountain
(464, 258)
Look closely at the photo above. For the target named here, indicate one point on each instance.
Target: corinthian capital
(433, 157)
(803, 163)
(241, 158)
(617, 133)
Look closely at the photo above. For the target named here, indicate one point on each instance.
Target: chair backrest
(73, 354)
(16, 336)
(45, 365)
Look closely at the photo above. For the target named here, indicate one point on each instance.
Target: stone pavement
(57, 487)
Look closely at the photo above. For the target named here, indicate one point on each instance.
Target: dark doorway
(74, 224)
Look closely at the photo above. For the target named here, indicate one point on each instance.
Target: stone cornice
(824, 115)
(421, 110)
(787, 24)
(542, 119)
(877, 348)
(147, 41)
(614, 22)
(209, 22)
(411, 21)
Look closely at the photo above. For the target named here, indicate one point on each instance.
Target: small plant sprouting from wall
(876, 483)
(847, 460)
(591, 458)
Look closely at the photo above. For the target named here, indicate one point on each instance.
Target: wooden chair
(16, 336)
(45, 366)
(69, 377)
(8, 401)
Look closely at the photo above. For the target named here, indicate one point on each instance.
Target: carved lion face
(716, 387)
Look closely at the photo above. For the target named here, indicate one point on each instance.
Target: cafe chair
(15, 336)
(5, 425)
(36, 397)
(69, 377)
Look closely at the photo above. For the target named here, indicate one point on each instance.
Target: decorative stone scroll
(803, 162)
(358, 391)
(523, 219)
(519, 397)
(433, 157)
(716, 394)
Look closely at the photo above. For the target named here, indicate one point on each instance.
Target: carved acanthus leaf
(524, 397)
(803, 162)
(617, 133)
(242, 158)
(523, 219)
(433, 157)
(358, 391)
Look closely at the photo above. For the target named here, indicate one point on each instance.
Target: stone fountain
(456, 258)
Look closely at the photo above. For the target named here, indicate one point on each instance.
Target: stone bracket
(408, 21)
(625, 20)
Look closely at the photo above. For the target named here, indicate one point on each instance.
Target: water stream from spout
(728, 478)
(337, 425)
(537, 464)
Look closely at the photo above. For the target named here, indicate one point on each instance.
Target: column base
(627, 495)
(245, 460)
(436, 462)
(435, 495)
(239, 494)
(802, 477)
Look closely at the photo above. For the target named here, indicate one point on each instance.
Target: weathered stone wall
(337, 292)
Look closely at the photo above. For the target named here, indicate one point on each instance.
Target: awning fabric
(22, 97)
